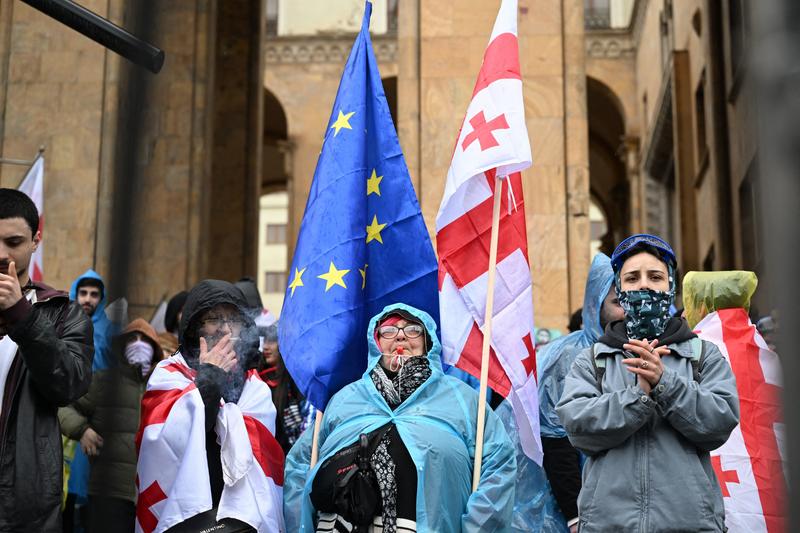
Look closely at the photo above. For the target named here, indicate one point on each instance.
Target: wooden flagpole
(315, 441)
(487, 333)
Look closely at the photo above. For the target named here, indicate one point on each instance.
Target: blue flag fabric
(362, 244)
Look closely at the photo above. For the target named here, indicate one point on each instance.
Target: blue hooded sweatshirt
(437, 425)
(79, 467)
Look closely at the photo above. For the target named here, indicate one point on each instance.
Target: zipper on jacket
(645, 485)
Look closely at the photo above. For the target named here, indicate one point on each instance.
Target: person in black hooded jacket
(220, 342)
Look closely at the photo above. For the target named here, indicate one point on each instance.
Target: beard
(89, 309)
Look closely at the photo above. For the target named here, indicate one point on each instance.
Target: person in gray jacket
(646, 404)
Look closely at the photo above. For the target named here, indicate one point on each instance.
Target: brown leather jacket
(52, 367)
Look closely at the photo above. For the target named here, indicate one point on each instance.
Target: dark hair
(576, 320)
(90, 282)
(16, 204)
(174, 307)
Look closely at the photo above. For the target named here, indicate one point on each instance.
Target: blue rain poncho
(437, 425)
(535, 508)
(555, 359)
(78, 483)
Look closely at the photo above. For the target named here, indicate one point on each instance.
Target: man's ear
(37, 239)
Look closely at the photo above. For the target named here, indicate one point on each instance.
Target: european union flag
(362, 244)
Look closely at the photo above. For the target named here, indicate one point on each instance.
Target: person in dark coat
(106, 420)
(46, 352)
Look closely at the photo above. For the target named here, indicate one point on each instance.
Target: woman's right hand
(221, 355)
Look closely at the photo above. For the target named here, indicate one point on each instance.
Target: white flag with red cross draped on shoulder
(750, 465)
(492, 143)
(172, 475)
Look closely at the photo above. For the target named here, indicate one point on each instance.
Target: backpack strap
(599, 367)
(698, 355)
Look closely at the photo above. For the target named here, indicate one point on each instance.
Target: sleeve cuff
(666, 384)
(573, 521)
(17, 312)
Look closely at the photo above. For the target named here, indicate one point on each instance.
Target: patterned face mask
(646, 312)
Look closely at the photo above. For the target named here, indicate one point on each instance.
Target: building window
(274, 282)
(700, 124)
(597, 14)
(276, 233)
(750, 219)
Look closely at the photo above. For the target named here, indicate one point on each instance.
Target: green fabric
(706, 292)
(111, 408)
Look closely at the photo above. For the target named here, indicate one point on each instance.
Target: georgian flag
(172, 473)
(750, 465)
(493, 140)
(33, 186)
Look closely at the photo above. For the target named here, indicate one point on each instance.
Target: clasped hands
(646, 363)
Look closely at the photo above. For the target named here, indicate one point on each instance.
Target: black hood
(677, 330)
(203, 296)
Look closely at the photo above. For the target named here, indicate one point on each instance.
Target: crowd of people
(202, 426)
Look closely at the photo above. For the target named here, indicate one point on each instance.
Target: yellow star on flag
(373, 183)
(374, 230)
(363, 276)
(333, 277)
(342, 121)
(297, 281)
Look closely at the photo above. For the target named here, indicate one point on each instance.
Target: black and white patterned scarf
(412, 374)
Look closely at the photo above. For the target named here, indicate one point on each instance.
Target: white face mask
(140, 353)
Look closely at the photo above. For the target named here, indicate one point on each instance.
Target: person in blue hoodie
(561, 461)
(422, 456)
(89, 292)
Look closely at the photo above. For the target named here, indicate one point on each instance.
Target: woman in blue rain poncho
(423, 463)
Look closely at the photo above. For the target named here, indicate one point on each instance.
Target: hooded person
(227, 418)
(414, 427)
(561, 460)
(89, 291)
(652, 400)
(172, 316)
(105, 422)
(103, 330)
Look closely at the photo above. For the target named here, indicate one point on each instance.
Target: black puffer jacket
(52, 368)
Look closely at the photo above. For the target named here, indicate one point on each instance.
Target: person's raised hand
(10, 290)
(646, 363)
(91, 442)
(221, 355)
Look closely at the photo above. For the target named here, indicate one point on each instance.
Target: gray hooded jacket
(649, 467)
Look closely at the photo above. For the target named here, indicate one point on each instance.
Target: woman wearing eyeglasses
(409, 429)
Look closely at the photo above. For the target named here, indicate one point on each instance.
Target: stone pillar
(52, 95)
(452, 39)
(631, 159)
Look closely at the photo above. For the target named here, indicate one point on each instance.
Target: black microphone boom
(102, 31)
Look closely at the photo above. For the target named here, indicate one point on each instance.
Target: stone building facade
(635, 108)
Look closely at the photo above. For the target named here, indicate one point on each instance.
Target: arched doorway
(273, 219)
(607, 177)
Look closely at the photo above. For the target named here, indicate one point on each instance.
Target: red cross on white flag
(750, 465)
(493, 141)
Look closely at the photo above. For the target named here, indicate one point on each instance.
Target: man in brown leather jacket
(46, 354)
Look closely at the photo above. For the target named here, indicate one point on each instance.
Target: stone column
(452, 39)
